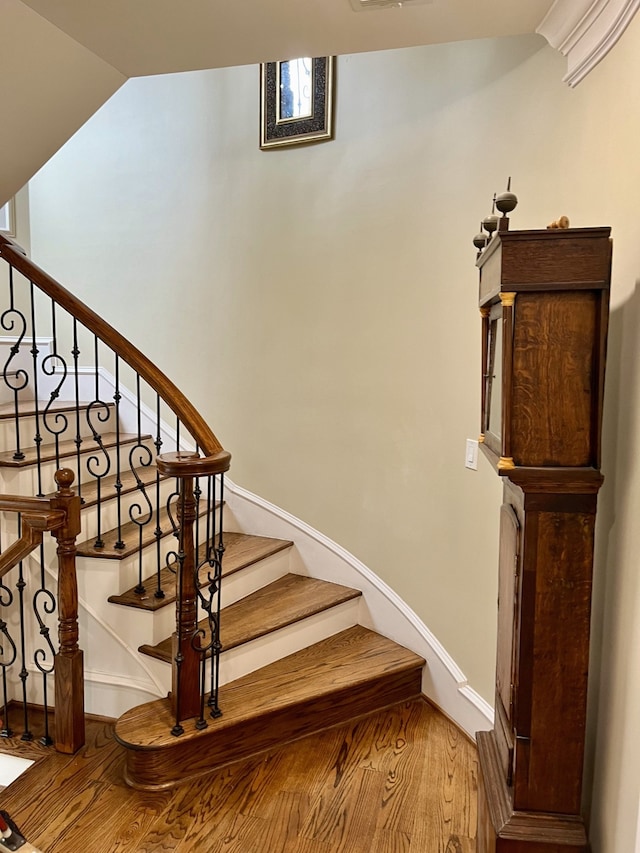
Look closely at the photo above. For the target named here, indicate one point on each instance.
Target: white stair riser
(137, 627)
(48, 468)
(254, 577)
(63, 424)
(265, 650)
(251, 656)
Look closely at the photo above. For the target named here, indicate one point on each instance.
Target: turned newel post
(185, 679)
(69, 680)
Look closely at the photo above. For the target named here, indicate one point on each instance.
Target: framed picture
(8, 218)
(296, 101)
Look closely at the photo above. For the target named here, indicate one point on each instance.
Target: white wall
(327, 298)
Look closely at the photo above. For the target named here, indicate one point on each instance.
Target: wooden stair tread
(345, 672)
(130, 534)
(28, 408)
(283, 602)
(241, 550)
(128, 481)
(146, 473)
(66, 448)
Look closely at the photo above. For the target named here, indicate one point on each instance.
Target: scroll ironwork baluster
(54, 422)
(44, 604)
(37, 438)
(24, 673)
(98, 466)
(75, 352)
(141, 515)
(217, 510)
(119, 545)
(159, 593)
(8, 656)
(15, 379)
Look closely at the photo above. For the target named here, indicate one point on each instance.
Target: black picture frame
(316, 125)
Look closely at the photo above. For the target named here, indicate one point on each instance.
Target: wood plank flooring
(402, 780)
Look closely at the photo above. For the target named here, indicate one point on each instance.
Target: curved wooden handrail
(174, 398)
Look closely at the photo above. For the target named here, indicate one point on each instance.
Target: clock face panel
(492, 415)
(494, 379)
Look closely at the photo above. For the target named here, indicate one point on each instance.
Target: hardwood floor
(402, 780)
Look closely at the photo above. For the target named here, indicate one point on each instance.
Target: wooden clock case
(544, 301)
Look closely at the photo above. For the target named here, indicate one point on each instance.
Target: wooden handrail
(38, 517)
(174, 398)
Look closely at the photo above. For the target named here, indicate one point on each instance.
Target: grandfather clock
(544, 301)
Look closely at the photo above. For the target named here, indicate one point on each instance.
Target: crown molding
(585, 31)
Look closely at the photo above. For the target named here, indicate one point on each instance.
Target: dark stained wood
(545, 260)
(531, 764)
(69, 668)
(401, 780)
(183, 464)
(501, 828)
(287, 600)
(172, 395)
(66, 449)
(554, 343)
(507, 604)
(185, 656)
(553, 379)
(241, 550)
(344, 676)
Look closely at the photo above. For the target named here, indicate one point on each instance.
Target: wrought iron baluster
(120, 545)
(55, 423)
(140, 455)
(98, 466)
(217, 510)
(23, 674)
(209, 599)
(15, 378)
(8, 656)
(75, 352)
(37, 439)
(158, 531)
(44, 603)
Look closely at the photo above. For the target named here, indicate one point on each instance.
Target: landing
(402, 780)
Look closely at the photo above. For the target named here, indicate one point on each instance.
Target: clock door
(508, 588)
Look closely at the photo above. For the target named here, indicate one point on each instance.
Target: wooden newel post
(185, 678)
(185, 693)
(68, 672)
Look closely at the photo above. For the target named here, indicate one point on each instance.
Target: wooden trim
(507, 300)
(532, 828)
(169, 392)
(181, 464)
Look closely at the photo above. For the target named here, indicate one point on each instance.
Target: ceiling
(140, 37)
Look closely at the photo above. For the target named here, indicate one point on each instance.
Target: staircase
(293, 658)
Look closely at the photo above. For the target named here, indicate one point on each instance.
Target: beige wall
(326, 297)
(60, 85)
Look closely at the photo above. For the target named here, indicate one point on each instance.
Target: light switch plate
(471, 457)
